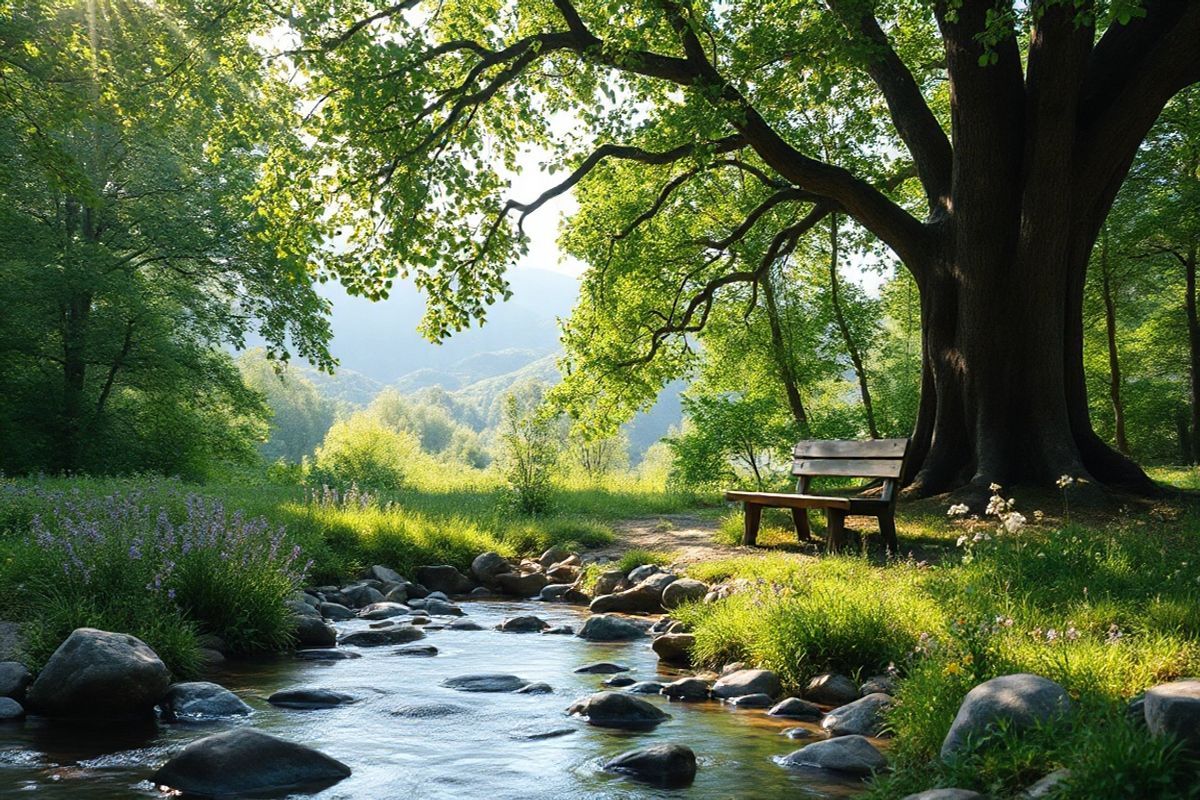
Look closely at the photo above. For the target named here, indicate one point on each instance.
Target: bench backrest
(873, 458)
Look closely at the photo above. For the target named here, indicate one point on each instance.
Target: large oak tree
(1018, 120)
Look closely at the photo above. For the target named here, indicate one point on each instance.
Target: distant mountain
(473, 368)
(344, 386)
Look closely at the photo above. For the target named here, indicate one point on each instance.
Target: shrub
(529, 453)
(363, 451)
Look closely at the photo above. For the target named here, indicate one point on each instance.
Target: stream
(409, 737)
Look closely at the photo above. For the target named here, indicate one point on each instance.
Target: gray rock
(1174, 709)
(302, 608)
(619, 681)
(795, 708)
(618, 710)
(480, 591)
(384, 610)
(639, 574)
(562, 573)
(687, 689)
(244, 761)
(675, 648)
(797, 733)
(734, 666)
(645, 687)
(553, 556)
(529, 584)
(314, 632)
(324, 654)
(605, 628)
(400, 634)
(199, 700)
(487, 566)
(1020, 700)
(397, 594)
(601, 668)
(945, 794)
(559, 630)
(11, 710)
(610, 582)
(563, 593)
(831, 689)
(747, 681)
(441, 608)
(444, 578)
(879, 683)
(683, 590)
(485, 682)
(418, 650)
(335, 611)
(670, 765)
(1135, 711)
(863, 717)
(360, 595)
(523, 624)
(387, 623)
(437, 595)
(752, 701)
(852, 755)
(415, 590)
(429, 711)
(1048, 786)
(463, 625)
(384, 574)
(100, 674)
(14, 680)
(643, 597)
(309, 698)
(536, 688)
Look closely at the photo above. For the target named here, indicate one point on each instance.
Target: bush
(363, 451)
(529, 453)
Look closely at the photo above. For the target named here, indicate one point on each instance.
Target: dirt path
(687, 538)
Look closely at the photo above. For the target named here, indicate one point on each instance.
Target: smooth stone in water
(605, 628)
(1020, 700)
(646, 687)
(100, 674)
(563, 593)
(11, 710)
(309, 698)
(536, 688)
(384, 610)
(335, 611)
(601, 668)
(797, 733)
(752, 701)
(831, 689)
(863, 717)
(486, 682)
(201, 700)
(463, 625)
(327, 655)
(687, 689)
(671, 765)
(302, 608)
(400, 634)
(618, 710)
(674, 648)
(522, 585)
(559, 630)
(488, 566)
(619, 681)
(795, 708)
(423, 651)
(444, 578)
(246, 761)
(361, 595)
(441, 608)
(314, 632)
(747, 681)
(14, 680)
(384, 574)
(429, 711)
(523, 624)
(852, 755)
(1174, 709)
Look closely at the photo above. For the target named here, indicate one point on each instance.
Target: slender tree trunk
(840, 316)
(1110, 328)
(1193, 324)
(783, 357)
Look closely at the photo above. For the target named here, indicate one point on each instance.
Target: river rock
(645, 687)
(853, 755)
(610, 582)
(309, 698)
(11, 710)
(314, 632)
(360, 595)
(619, 681)
(301, 608)
(687, 689)
(831, 689)
(1048, 786)
(14, 680)
(335, 611)
(400, 634)
(747, 681)
(100, 674)
(752, 701)
(618, 710)
(397, 594)
(1021, 700)
(675, 648)
(795, 708)
(945, 794)
(384, 610)
(327, 654)
(463, 625)
(639, 574)
(523, 624)
(671, 765)
(879, 683)
(605, 628)
(441, 608)
(444, 578)
(645, 596)
(536, 688)
(562, 573)
(1174, 709)
(384, 574)
(419, 650)
(429, 711)
(245, 761)
(529, 584)
(683, 590)
(487, 566)
(197, 700)
(797, 733)
(563, 593)
(559, 630)
(485, 682)
(601, 668)
(863, 717)
(553, 555)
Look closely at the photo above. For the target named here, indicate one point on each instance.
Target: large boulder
(100, 674)
(618, 710)
(314, 632)
(306, 699)
(1174, 709)
(528, 584)
(605, 628)
(687, 689)
(523, 624)
(11, 710)
(831, 689)
(683, 590)
(675, 648)
(400, 634)
(383, 574)
(244, 761)
(360, 595)
(853, 755)
(444, 578)
(201, 700)
(486, 682)
(1019, 700)
(863, 717)
(644, 596)
(670, 765)
(747, 681)
(14, 680)
(795, 708)
(488, 566)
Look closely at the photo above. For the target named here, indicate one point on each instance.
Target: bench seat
(784, 500)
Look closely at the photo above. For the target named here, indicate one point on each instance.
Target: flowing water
(409, 737)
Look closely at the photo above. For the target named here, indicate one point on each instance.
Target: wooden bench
(876, 459)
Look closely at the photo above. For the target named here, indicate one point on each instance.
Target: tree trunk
(838, 315)
(1193, 324)
(783, 357)
(1114, 363)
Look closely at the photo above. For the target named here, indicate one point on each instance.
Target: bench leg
(753, 519)
(835, 524)
(800, 517)
(887, 528)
